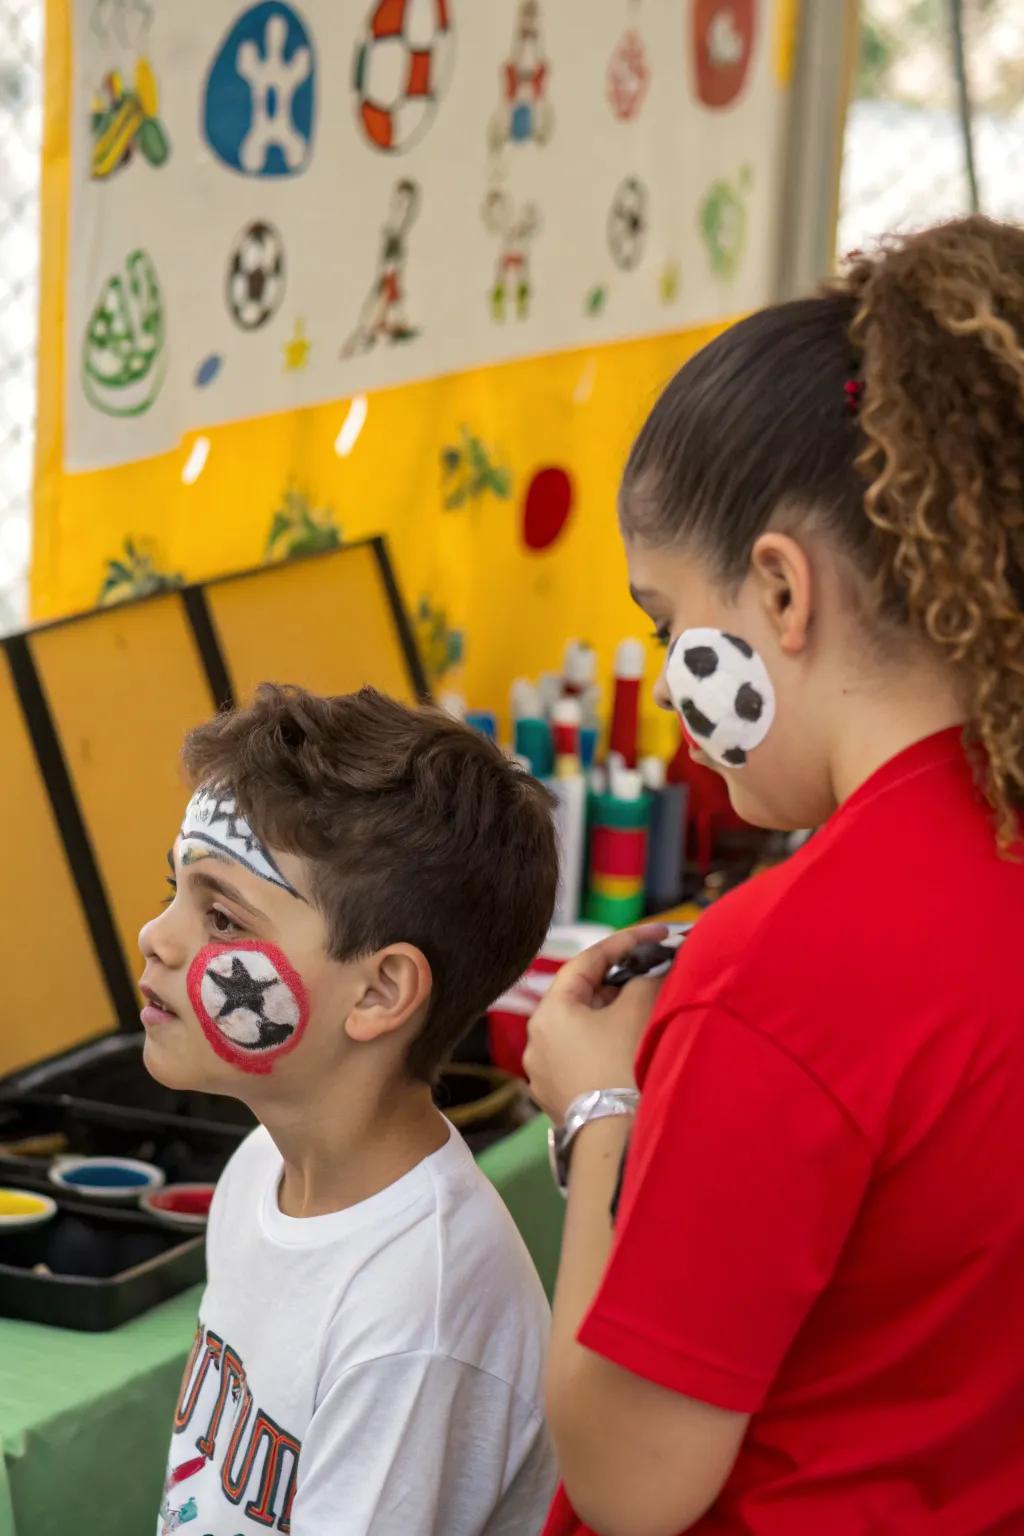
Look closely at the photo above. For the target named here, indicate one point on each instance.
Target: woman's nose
(662, 697)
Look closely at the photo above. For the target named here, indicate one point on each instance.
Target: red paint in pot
(184, 1202)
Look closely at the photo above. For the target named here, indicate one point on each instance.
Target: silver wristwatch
(589, 1106)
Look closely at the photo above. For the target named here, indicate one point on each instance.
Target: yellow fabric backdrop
(516, 607)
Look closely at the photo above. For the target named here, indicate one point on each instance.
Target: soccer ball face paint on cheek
(721, 687)
(251, 1004)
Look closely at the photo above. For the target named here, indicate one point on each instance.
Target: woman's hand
(585, 1035)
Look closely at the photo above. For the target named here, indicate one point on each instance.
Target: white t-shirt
(399, 1345)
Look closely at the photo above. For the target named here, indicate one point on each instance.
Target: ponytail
(939, 329)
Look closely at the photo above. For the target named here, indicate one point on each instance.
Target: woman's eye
(174, 891)
(662, 636)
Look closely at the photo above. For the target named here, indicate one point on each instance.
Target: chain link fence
(904, 165)
(905, 161)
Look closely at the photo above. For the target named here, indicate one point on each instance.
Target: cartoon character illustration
(300, 528)
(515, 231)
(441, 646)
(123, 352)
(525, 113)
(383, 315)
(403, 66)
(174, 1519)
(723, 42)
(133, 574)
(124, 118)
(627, 224)
(259, 107)
(723, 222)
(629, 76)
(469, 471)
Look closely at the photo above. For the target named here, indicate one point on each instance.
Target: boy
(354, 882)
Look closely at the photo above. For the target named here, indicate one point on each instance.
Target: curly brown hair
(922, 487)
(416, 829)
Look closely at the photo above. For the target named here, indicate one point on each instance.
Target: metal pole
(964, 99)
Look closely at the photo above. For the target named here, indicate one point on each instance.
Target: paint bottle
(590, 703)
(615, 764)
(625, 727)
(665, 844)
(569, 788)
(588, 746)
(618, 853)
(531, 734)
(549, 689)
(579, 669)
(484, 721)
(523, 700)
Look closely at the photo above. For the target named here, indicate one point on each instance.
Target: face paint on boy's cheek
(722, 690)
(251, 1004)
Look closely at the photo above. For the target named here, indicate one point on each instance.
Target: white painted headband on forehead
(213, 819)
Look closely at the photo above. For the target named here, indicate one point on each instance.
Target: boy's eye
(174, 891)
(221, 922)
(662, 635)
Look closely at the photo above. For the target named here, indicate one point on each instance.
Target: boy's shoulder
(432, 1264)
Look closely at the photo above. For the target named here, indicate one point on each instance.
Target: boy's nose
(159, 940)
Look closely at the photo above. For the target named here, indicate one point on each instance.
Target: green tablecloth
(85, 1418)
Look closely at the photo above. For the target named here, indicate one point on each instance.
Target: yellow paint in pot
(14, 1203)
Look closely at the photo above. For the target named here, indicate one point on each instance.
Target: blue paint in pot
(106, 1176)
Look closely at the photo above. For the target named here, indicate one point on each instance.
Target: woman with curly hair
(806, 1315)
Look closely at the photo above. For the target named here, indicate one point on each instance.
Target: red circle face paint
(251, 1003)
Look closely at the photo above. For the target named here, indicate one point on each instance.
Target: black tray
(124, 1263)
(110, 1071)
(100, 1097)
(189, 1151)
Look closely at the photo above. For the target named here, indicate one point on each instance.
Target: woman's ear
(782, 571)
(397, 985)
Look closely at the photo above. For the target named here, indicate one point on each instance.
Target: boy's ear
(398, 981)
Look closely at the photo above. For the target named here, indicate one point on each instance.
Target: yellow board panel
(325, 624)
(124, 686)
(54, 994)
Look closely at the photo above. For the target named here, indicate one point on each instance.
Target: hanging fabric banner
(484, 230)
(275, 205)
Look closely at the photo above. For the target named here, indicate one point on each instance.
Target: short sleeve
(422, 1445)
(743, 1179)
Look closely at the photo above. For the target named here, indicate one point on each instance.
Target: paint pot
(120, 1180)
(19, 1208)
(182, 1206)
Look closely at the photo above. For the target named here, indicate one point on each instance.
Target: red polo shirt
(822, 1221)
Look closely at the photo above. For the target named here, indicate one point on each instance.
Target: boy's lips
(156, 1011)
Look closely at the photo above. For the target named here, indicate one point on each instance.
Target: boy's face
(239, 987)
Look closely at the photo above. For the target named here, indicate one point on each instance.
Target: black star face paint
(721, 687)
(251, 1004)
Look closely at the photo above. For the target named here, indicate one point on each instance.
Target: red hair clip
(853, 389)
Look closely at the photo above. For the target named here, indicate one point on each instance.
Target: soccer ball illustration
(721, 688)
(403, 65)
(256, 276)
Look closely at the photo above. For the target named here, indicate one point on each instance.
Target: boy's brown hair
(418, 831)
